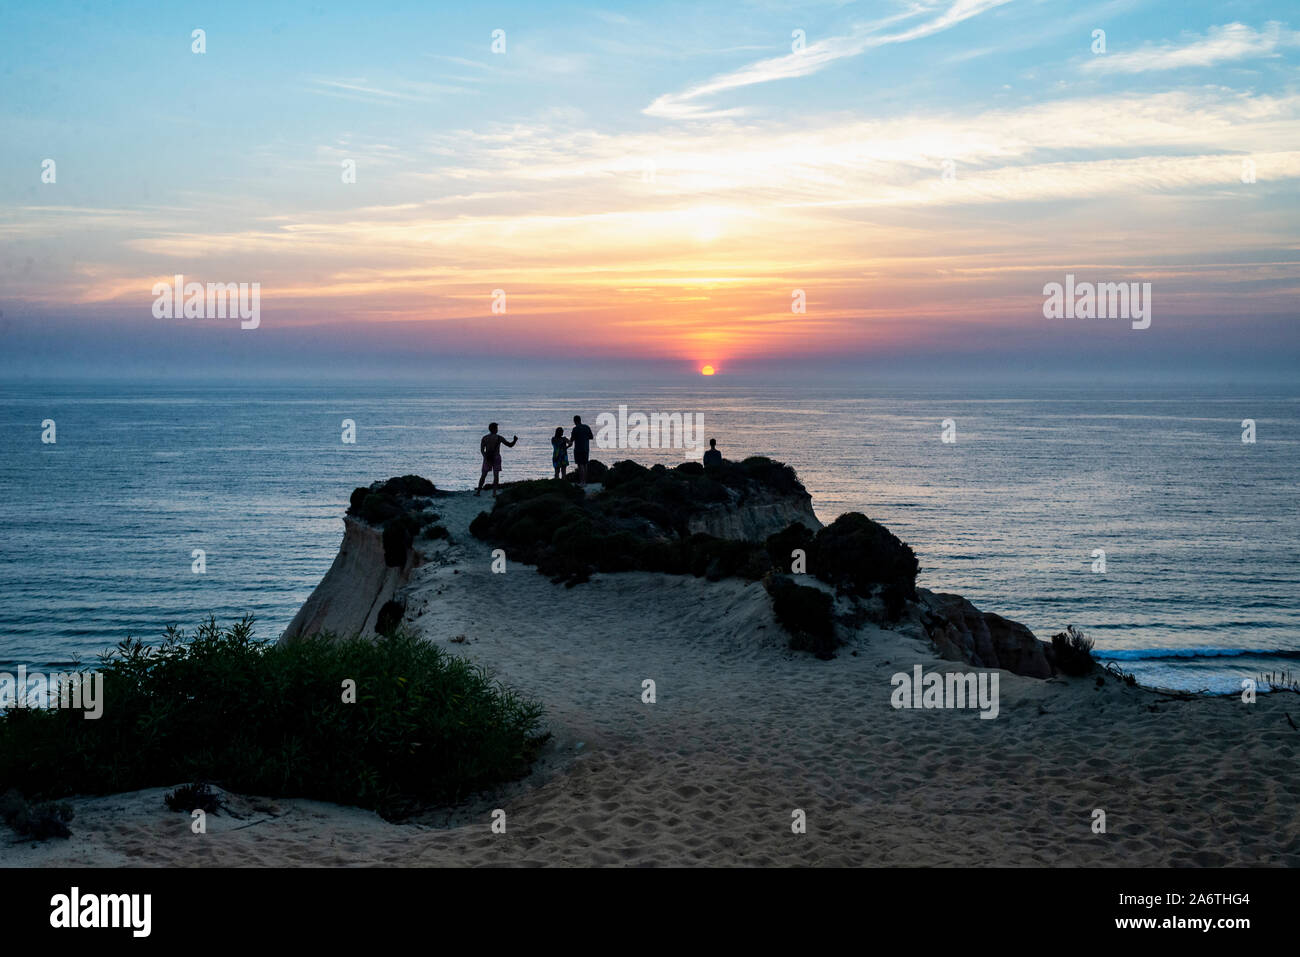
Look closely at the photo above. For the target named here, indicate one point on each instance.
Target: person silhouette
(560, 452)
(712, 456)
(490, 447)
(581, 441)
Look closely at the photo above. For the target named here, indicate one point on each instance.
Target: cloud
(627, 197)
(1223, 44)
(813, 58)
(401, 92)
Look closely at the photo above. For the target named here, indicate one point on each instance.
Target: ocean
(1201, 585)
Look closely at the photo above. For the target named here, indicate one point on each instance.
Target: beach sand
(742, 733)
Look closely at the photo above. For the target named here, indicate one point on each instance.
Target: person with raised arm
(490, 447)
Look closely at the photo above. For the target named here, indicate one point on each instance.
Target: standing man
(581, 438)
(712, 456)
(490, 447)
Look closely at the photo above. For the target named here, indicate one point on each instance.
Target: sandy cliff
(358, 584)
(757, 518)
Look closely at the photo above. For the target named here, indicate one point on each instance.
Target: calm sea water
(1200, 531)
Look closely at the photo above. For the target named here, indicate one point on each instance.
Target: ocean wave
(1137, 654)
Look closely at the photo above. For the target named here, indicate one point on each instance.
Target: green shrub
(806, 613)
(261, 718)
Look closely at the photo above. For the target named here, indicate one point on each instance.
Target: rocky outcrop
(870, 562)
(961, 632)
(358, 584)
(757, 517)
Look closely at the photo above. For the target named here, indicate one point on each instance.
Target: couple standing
(580, 439)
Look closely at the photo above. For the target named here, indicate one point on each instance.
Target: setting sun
(707, 370)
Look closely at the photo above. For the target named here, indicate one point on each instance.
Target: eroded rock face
(757, 518)
(348, 599)
(961, 632)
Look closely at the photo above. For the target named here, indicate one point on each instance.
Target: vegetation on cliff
(638, 523)
(400, 507)
(421, 727)
(641, 522)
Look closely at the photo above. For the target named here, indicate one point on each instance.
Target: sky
(637, 183)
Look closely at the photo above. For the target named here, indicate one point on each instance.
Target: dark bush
(717, 558)
(408, 486)
(622, 472)
(376, 509)
(399, 534)
(772, 475)
(523, 491)
(855, 553)
(1072, 652)
(781, 545)
(894, 596)
(389, 617)
(386, 500)
(37, 821)
(806, 613)
(262, 718)
(193, 797)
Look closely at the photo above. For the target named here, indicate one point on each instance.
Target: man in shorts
(490, 447)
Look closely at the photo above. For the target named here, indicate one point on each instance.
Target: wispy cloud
(400, 92)
(815, 57)
(1222, 44)
(557, 192)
